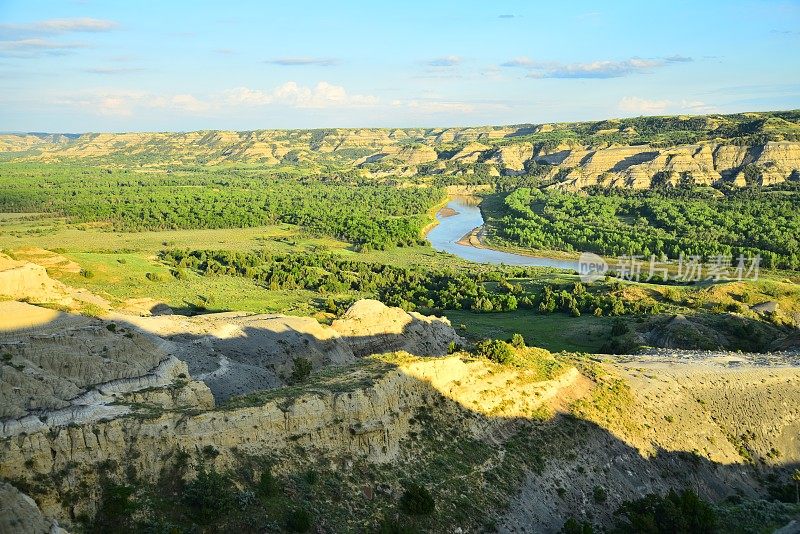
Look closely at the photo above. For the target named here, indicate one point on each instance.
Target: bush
(154, 277)
(86, 273)
(573, 526)
(297, 520)
(619, 328)
(416, 500)
(267, 485)
(495, 350)
(599, 494)
(302, 369)
(209, 495)
(683, 512)
(518, 341)
(115, 508)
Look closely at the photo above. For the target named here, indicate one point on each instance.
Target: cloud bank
(594, 69)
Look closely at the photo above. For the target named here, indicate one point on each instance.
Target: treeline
(431, 290)
(370, 216)
(750, 222)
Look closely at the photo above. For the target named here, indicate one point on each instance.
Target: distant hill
(756, 148)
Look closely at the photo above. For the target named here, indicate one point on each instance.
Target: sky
(114, 65)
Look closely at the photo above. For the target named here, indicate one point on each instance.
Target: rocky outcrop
(55, 358)
(19, 279)
(580, 155)
(364, 411)
(705, 164)
(29, 281)
(370, 327)
(21, 515)
(60, 368)
(470, 153)
(512, 157)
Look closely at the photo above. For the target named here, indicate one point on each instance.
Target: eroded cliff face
(642, 167)
(364, 411)
(591, 153)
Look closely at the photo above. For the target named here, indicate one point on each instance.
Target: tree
(416, 500)
(796, 478)
(517, 340)
(573, 526)
(494, 349)
(302, 369)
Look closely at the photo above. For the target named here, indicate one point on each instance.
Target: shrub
(416, 500)
(115, 507)
(495, 350)
(267, 485)
(154, 277)
(209, 495)
(297, 520)
(619, 328)
(573, 526)
(674, 512)
(599, 494)
(302, 369)
(209, 451)
(86, 273)
(518, 341)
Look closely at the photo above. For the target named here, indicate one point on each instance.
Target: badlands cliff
(142, 406)
(748, 148)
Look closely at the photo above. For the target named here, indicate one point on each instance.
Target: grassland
(552, 332)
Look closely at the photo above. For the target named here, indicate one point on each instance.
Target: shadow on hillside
(549, 469)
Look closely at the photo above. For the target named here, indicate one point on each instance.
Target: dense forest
(369, 215)
(495, 290)
(703, 222)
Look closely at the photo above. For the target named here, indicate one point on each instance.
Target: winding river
(460, 217)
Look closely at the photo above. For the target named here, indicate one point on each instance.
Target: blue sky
(77, 66)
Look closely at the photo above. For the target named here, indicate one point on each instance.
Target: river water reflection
(461, 218)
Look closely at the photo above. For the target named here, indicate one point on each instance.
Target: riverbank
(432, 213)
(460, 230)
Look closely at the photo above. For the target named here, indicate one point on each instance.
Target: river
(467, 217)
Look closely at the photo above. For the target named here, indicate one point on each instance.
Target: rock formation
(736, 149)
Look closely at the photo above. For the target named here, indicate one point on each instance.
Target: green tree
(517, 340)
(416, 500)
(302, 369)
(494, 349)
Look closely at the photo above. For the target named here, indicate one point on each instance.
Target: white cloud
(55, 26)
(634, 104)
(84, 24)
(592, 69)
(35, 47)
(190, 103)
(304, 61)
(643, 106)
(125, 103)
(292, 94)
(445, 61)
(440, 106)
